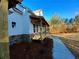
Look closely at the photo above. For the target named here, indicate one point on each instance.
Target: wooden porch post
(45, 29)
(41, 29)
(4, 40)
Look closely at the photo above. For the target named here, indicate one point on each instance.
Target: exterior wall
(39, 29)
(23, 23)
(43, 29)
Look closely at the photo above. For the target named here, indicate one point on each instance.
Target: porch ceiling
(39, 20)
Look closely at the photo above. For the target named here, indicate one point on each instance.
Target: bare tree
(55, 22)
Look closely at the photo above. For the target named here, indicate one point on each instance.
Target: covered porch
(40, 27)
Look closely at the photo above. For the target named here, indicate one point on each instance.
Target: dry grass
(72, 36)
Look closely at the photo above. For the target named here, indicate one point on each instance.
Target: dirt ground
(72, 36)
(33, 50)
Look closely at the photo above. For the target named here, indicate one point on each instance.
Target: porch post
(4, 40)
(45, 30)
(41, 29)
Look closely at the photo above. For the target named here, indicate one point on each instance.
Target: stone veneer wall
(20, 38)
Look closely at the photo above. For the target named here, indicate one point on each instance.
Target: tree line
(64, 25)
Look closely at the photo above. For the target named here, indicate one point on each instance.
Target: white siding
(23, 24)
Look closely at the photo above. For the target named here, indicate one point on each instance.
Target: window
(13, 24)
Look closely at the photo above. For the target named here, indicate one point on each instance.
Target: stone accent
(20, 38)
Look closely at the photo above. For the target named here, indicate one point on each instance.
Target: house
(40, 26)
(24, 24)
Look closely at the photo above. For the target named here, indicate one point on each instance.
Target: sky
(62, 8)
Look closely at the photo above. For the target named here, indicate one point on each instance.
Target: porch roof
(39, 20)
